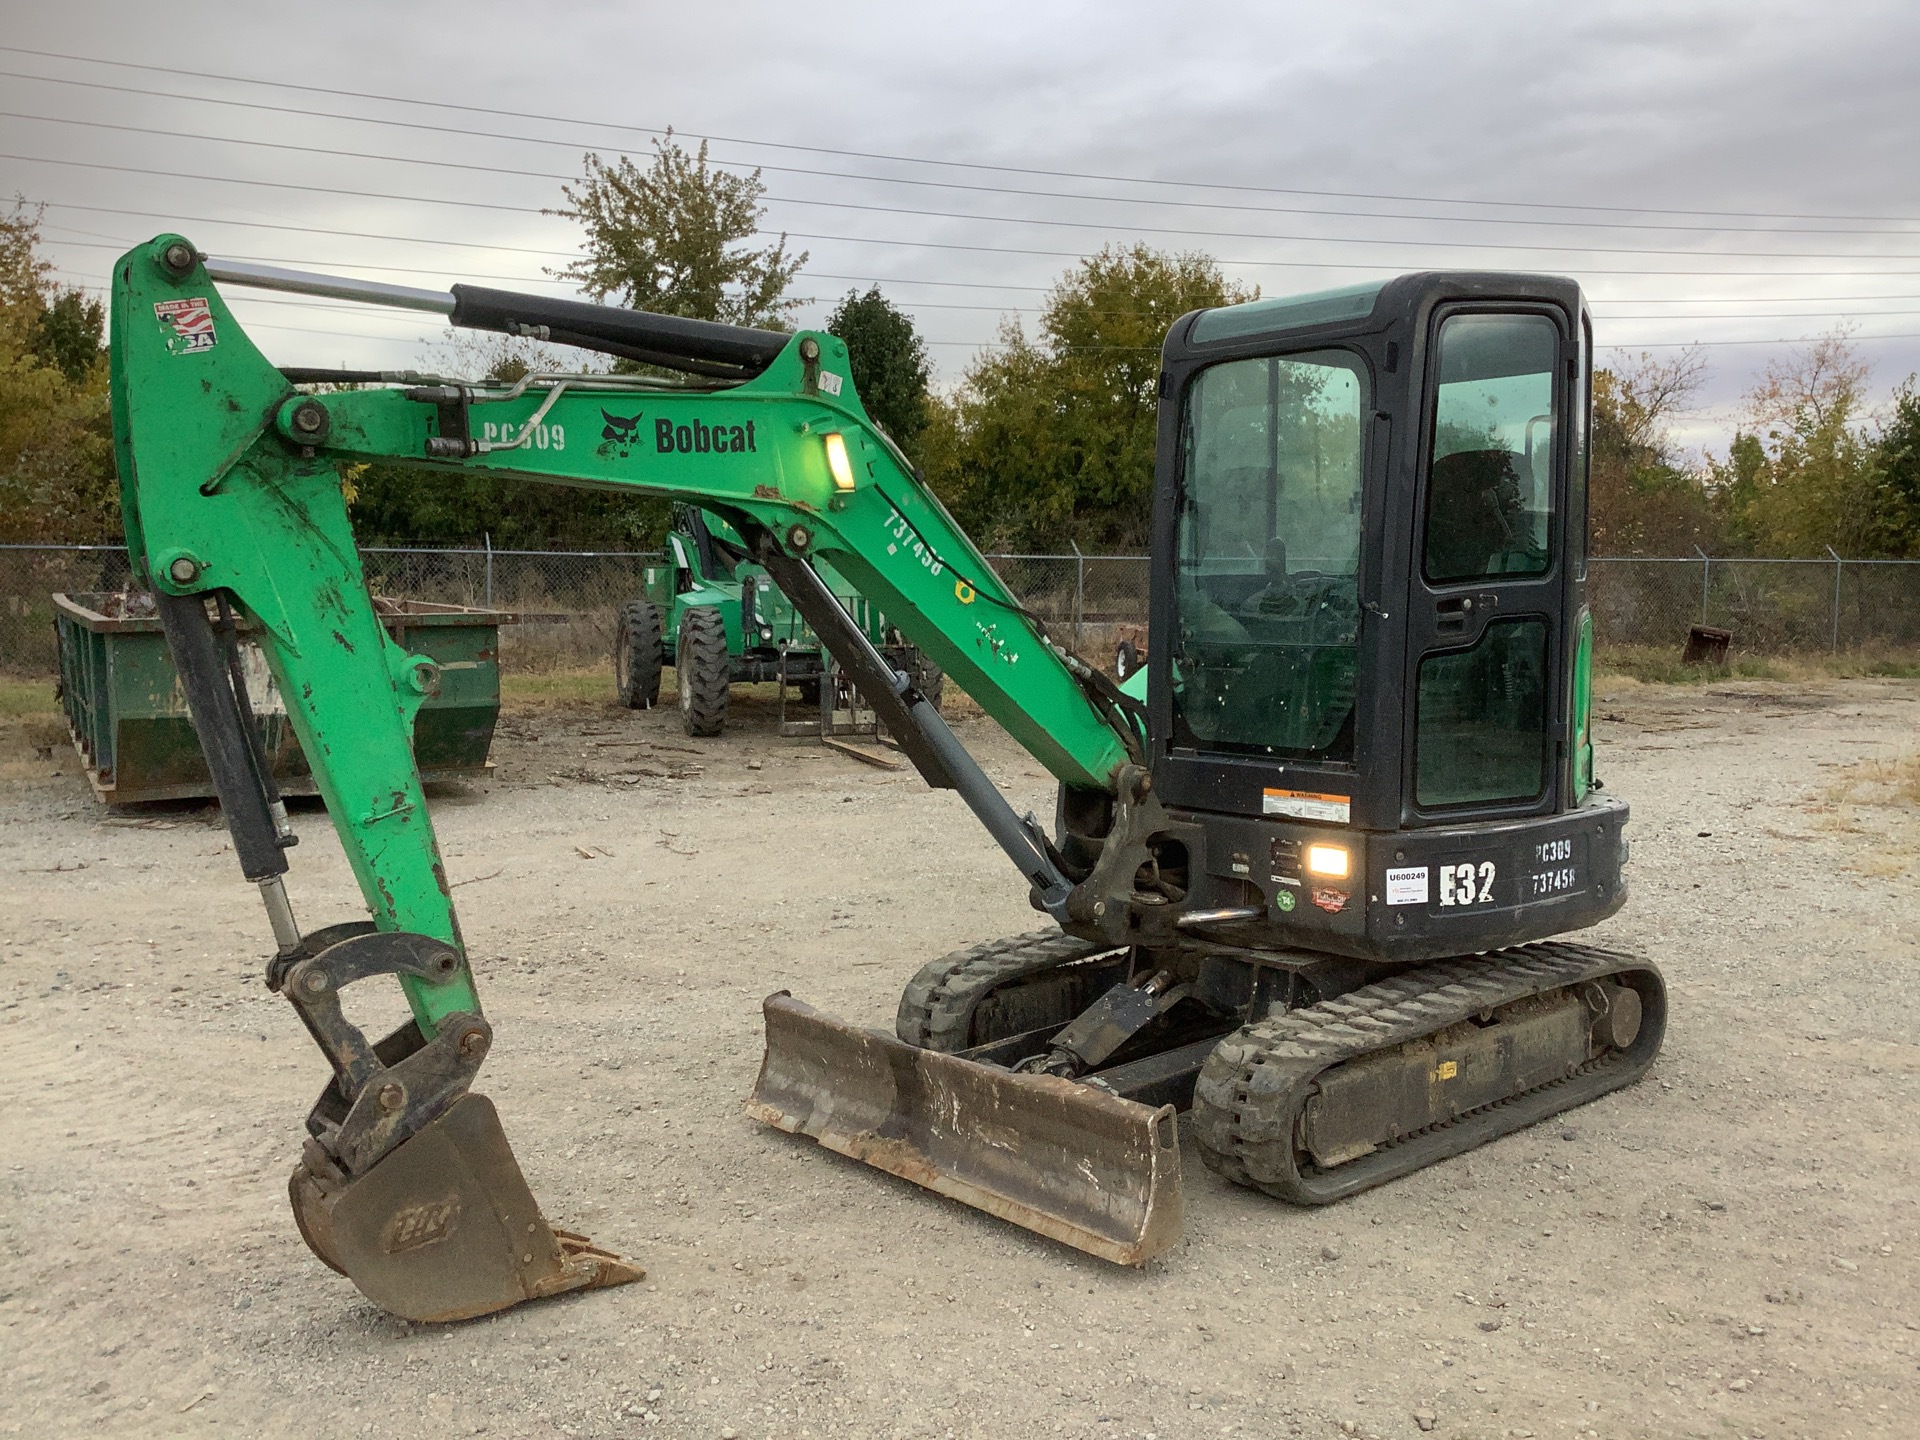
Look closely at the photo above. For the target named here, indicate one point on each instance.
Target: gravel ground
(1728, 1249)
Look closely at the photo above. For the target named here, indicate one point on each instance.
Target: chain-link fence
(1773, 607)
(1090, 601)
(563, 606)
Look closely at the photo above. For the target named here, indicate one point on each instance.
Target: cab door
(1487, 619)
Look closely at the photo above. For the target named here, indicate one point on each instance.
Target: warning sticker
(830, 382)
(189, 324)
(1307, 805)
(1408, 886)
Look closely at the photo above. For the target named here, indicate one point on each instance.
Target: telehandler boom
(1298, 891)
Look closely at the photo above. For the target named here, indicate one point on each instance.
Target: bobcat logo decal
(621, 434)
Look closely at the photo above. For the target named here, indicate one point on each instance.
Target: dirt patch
(1730, 1248)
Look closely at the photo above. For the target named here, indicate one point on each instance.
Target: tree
(1899, 461)
(1805, 473)
(668, 239)
(1642, 500)
(56, 444)
(889, 364)
(70, 333)
(1051, 439)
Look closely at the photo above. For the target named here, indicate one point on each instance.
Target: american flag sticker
(188, 323)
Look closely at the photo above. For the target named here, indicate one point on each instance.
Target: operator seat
(1473, 509)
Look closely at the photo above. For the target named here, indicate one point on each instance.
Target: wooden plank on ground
(879, 762)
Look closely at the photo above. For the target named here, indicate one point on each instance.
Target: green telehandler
(725, 623)
(1306, 892)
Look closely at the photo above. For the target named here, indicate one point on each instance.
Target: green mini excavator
(1305, 890)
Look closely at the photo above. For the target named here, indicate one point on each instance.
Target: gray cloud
(1805, 111)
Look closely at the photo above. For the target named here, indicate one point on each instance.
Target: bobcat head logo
(619, 435)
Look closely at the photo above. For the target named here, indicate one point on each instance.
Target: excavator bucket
(444, 1227)
(1072, 1162)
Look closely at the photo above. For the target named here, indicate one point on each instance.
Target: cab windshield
(1269, 545)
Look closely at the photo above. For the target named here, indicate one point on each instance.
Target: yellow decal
(963, 592)
(1446, 1070)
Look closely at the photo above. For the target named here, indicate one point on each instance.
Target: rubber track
(936, 1009)
(1257, 1081)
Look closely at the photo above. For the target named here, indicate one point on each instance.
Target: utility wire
(469, 134)
(167, 217)
(976, 249)
(929, 161)
(170, 218)
(249, 299)
(978, 219)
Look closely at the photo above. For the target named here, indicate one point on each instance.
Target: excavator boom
(233, 504)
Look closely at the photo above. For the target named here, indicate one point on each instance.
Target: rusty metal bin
(129, 720)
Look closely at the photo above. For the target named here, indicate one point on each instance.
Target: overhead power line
(947, 245)
(973, 218)
(173, 218)
(466, 133)
(930, 161)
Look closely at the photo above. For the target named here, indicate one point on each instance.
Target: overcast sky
(1738, 174)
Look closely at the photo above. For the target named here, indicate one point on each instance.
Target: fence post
(1706, 580)
(487, 535)
(1834, 647)
(1079, 592)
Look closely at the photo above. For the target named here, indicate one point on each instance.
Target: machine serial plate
(1555, 868)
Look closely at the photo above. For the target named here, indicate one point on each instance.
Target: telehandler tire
(638, 655)
(927, 677)
(704, 671)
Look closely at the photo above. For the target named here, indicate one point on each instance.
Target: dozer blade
(444, 1227)
(1069, 1161)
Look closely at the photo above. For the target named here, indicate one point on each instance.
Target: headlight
(838, 461)
(1328, 860)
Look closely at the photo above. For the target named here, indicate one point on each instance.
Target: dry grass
(533, 689)
(1660, 665)
(1880, 782)
(23, 699)
(1879, 799)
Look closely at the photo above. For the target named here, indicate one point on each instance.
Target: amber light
(1328, 860)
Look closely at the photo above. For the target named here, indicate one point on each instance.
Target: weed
(1660, 665)
(20, 699)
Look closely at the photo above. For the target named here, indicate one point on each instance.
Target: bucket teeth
(444, 1227)
(1065, 1160)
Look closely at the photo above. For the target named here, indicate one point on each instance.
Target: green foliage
(1643, 501)
(56, 445)
(1806, 473)
(1899, 461)
(665, 239)
(72, 329)
(1051, 439)
(889, 364)
(397, 506)
(668, 239)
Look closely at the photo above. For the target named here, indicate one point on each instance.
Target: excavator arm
(231, 478)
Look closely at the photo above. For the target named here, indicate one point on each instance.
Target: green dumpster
(129, 718)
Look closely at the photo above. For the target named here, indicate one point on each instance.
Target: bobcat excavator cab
(1301, 892)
